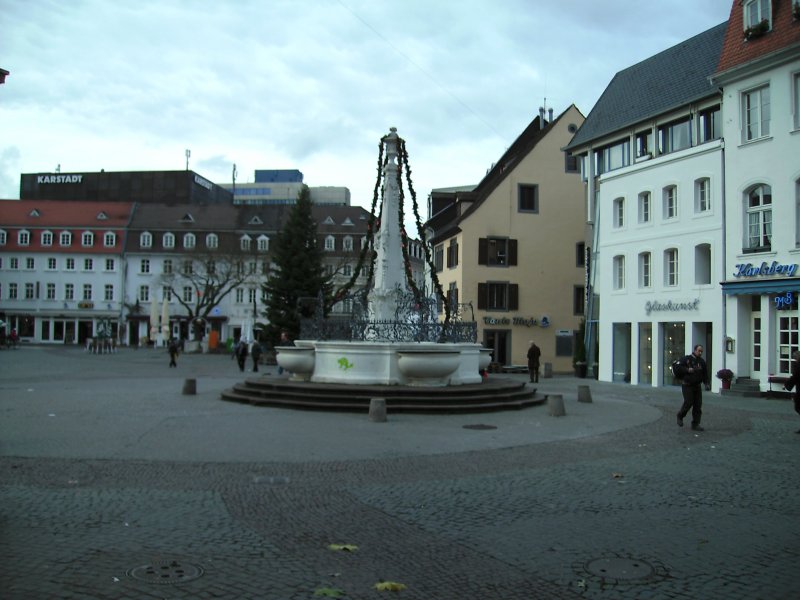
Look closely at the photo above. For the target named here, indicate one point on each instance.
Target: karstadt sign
(59, 178)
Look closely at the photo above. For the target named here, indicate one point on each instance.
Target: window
(69, 291)
(70, 264)
(211, 267)
(109, 239)
(47, 238)
(65, 238)
(13, 263)
(363, 242)
(263, 243)
(796, 103)
(644, 143)
(614, 156)
(452, 253)
(187, 294)
(88, 264)
(619, 212)
(756, 11)
(23, 238)
(51, 291)
(168, 241)
(347, 270)
(166, 294)
(330, 243)
(29, 291)
(108, 292)
(438, 258)
(87, 239)
(328, 270)
(452, 295)
(670, 197)
(580, 254)
(144, 266)
(186, 267)
(144, 293)
(145, 240)
(759, 218)
(570, 163)
(675, 136)
(644, 207)
(167, 266)
(239, 295)
(111, 264)
(251, 295)
(671, 267)
(528, 198)
(245, 242)
(702, 264)
(497, 252)
(702, 195)
(498, 296)
(710, 124)
(644, 270)
(87, 291)
(619, 272)
(30, 263)
(347, 244)
(12, 291)
(578, 299)
(188, 240)
(51, 264)
(265, 267)
(212, 240)
(755, 113)
(3, 237)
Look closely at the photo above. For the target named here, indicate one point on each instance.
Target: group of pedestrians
(242, 349)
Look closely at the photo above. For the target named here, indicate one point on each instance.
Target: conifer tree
(297, 273)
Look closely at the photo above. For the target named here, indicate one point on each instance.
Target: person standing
(173, 352)
(255, 352)
(284, 341)
(694, 373)
(794, 382)
(533, 362)
(241, 354)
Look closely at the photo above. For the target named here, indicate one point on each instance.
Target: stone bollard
(555, 405)
(189, 387)
(548, 370)
(377, 410)
(584, 394)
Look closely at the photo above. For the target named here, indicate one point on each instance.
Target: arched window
(188, 240)
(145, 239)
(758, 208)
(212, 241)
(168, 241)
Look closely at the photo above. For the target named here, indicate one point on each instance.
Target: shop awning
(761, 286)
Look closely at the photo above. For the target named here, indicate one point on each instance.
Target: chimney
(550, 115)
(541, 117)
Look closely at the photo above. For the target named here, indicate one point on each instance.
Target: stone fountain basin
(428, 367)
(298, 360)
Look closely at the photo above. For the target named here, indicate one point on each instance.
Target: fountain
(394, 345)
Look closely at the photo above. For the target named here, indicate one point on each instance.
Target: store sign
(670, 306)
(750, 270)
(784, 302)
(59, 178)
(525, 321)
(200, 181)
(85, 304)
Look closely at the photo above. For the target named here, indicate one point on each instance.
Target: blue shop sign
(776, 268)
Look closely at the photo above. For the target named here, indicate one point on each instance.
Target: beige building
(513, 247)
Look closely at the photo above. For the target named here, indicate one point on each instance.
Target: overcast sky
(129, 85)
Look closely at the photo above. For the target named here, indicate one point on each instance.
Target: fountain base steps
(479, 397)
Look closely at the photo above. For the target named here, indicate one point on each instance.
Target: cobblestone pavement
(114, 485)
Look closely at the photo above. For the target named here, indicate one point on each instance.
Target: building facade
(510, 251)
(759, 73)
(652, 159)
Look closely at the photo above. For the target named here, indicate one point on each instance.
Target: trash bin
(548, 370)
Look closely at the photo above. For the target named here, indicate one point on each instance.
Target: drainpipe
(724, 258)
(590, 332)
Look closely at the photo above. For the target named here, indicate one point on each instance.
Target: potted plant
(756, 30)
(579, 352)
(726, 375)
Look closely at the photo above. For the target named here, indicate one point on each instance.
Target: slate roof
(57, 213)
(668, 80)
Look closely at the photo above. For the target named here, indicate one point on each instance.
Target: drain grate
(619, 568)
(480, 426)
(166, 572)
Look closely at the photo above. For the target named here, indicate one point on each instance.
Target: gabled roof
(59, 213)
(670, 79)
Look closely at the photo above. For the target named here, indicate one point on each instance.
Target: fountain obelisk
(389, 268)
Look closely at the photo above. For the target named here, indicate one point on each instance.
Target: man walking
(794, 382)
(694, 373)
(533, 362)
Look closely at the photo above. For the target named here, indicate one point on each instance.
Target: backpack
(677, 369)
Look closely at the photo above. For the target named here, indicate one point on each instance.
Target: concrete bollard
(555, 405)
(189, 387)
(584, 393)
(548, 370)
(377, 410)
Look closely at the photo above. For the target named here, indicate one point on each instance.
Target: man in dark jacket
(794, 381)
(694, 373)
(533, 362)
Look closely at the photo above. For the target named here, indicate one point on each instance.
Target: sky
(313, 85)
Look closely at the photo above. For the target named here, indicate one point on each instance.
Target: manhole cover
(166, 572)
(271, 479)
(620, 568)
(479, 426)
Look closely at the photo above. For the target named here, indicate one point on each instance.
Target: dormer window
(168, 241)
(145, 239)
(87, 239)
(188, 240)
(65, 238)
(24, 237)
(347, 222)
(757, 18)
(101, 216)
(187, 218)
(256, 220)
(245, 241)
(212, 241)
(109, 239)
(263, 243)
(47, 238)
(34, 213)
(329, 221)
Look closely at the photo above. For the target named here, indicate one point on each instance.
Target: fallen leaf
(329, 592)
(343, 547)
(389, 586)
(617, 475)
